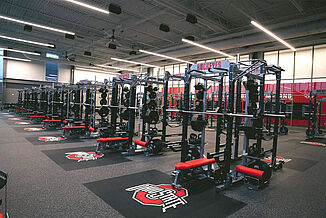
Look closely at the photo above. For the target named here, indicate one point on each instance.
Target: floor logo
(51, 139)
(34, 129)
(23, 123)
(83, 156)
(278, 159)
(14, 118)
(313, 143)
(159, 195)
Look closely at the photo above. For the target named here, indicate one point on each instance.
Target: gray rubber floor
(39, 187)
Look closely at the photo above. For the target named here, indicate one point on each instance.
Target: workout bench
(103, 142)
(183, 167)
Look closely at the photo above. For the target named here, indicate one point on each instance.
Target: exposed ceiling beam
(202, 19)
(297, 6)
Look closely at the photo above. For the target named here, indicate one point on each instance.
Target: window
(303, 62)
(51, 72)
(286, 62)
(319, 69)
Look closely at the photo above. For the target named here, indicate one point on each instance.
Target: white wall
(87, 75)
(34, 70)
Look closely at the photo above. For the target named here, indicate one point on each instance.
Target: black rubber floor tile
(149, 194)
(83, 157)
(300, 164)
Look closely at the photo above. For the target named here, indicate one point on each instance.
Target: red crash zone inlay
(83, 156)
(23, 123)
(50, 139)
(163, 195)
(34, 129)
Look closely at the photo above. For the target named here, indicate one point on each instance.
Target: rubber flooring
(40, 187)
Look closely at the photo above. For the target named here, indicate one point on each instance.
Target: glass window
(244, 57)
(198, 62)
(169, 68)
(319, 69)
(286, 61)
(211, 60)
(303, 62)
(271, 57)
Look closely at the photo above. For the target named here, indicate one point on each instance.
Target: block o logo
(83, 156)
(163, 195)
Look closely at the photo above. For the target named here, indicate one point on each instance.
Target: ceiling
(223, 24)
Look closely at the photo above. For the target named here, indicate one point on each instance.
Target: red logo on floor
(83, 156)
(34, 129)
(23, 123)
(159, 195)
(50, 139)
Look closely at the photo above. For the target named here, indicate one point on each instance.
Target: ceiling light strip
(118, 68)
(20, 51)
(36, 25)
(134, 62)
(18, 59)
(259, 26)
(207, 48)
(164, 56)
(27, 41)
(88, 6)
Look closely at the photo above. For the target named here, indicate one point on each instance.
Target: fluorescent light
(53, 56)
(88, 6)
(27, 41)
(167, 57)
(272, 35)
(36, 25)
(18, 59)
(134, 62)
(19, 51)
(118, 68)
(208, 48)
(94, 70)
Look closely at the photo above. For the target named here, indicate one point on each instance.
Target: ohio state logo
(278, 159)
(313, 143)
(50, 139)
(15, 118)
(23, 123)
(159, 195)
(83, 156)
(33, 129)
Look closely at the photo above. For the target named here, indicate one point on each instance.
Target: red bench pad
(28, 113)
(37, 116)
(250, 171)
(194, 163)
(112, 139)
(91, 129)
(74, 127)
(51, 120)
(141, 143)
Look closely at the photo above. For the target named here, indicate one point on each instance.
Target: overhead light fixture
(115, 9)
(118, 68)
(88, 6)
(17, 59)
(134, 62)
(27, 41)
(19, 51)
(164, 56)
(191, 18)
(112, 46)
(87, 53)
(164, 28)
(272, 35)
(94, 70)
(28, 25)
(28, 28)
(208, 48)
